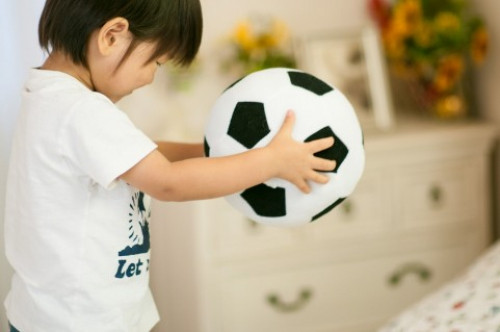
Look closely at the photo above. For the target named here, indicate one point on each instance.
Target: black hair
(175, 25)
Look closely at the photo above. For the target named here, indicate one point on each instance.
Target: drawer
(337, 298)
(440, 194)
(366, 211)
(233, 234)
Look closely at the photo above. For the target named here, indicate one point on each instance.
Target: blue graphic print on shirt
(128, 265)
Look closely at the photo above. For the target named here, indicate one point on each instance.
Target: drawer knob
(252, 224)
(436, 194)
(420, 270)
(347, 207)
(276, 303)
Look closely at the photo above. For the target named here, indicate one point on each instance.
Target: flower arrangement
(430, 45)
(258, 43)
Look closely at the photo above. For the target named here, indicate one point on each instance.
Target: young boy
(77, 208)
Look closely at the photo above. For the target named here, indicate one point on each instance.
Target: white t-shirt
(77, 237)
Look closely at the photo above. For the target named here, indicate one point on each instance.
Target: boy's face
(116, 80)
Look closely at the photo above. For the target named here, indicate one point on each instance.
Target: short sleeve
(102, 142)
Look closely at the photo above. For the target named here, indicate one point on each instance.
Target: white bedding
(470, 303)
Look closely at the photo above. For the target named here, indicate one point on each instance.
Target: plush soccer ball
(251, 111)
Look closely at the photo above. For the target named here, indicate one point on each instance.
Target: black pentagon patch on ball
(248, 124)
(337, 152)
(206, 147)
(309, 82)
(266, 201)
(328, 209)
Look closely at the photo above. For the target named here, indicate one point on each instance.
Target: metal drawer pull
(420, 270)
(276, 303)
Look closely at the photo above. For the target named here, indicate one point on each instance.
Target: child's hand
(295, 161)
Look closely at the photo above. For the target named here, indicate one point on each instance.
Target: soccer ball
(251, 111)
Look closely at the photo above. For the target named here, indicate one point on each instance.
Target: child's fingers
(321, 164)
(288, 123)
(320, 144)
(318, 177)
(302, 185)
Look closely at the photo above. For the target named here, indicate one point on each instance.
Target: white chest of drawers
(419, 215)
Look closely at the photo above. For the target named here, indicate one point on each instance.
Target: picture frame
(353, 62)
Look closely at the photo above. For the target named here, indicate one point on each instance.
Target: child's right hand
(295, 161)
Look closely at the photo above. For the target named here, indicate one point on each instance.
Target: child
(77, 229)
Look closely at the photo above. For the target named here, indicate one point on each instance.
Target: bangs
(180, 38)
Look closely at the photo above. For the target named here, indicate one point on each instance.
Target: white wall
(19, 51)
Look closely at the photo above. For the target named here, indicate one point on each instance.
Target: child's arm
(174, 151)
(202, 178)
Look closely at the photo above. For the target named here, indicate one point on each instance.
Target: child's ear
(112, 34)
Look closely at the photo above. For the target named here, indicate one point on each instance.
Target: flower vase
(417, 96)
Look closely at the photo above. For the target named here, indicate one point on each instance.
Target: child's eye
(158, 64)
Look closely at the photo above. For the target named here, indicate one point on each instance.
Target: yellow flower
(250, 40)
(480, 43)
(244, 37)
(448, 72)
(449, 107)
(447, 22)
(393, 43)
(403, 70)
(275, 37)
(258, 43)
(407, 17)
(424, 34)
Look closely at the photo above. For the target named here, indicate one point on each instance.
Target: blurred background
(178, 102)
